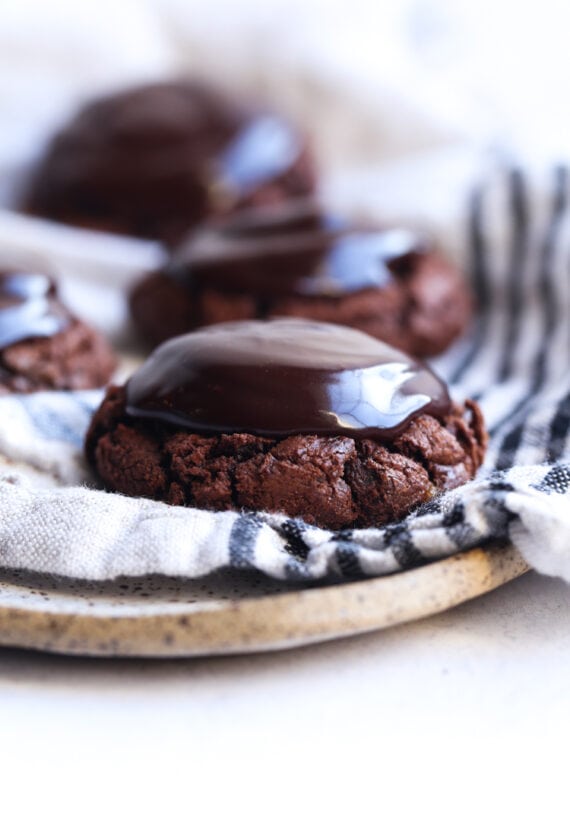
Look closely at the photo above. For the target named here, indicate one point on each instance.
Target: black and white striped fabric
(516, 363)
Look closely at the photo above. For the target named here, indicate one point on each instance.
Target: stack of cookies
(288, 375)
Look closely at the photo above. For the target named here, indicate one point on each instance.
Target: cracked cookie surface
(77, 358)
(329, 481)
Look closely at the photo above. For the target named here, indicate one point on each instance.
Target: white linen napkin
(516, 361)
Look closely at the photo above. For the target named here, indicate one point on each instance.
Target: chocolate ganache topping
(28, 307)
(294, 249)
(261, 151)
(284, 377)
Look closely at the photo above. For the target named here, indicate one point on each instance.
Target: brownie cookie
(304, 418)
(154, 160)
(293, 260)
(42, 346)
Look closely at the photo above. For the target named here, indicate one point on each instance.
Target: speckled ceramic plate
(233, 612)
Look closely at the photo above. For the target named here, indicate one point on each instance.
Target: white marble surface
(465, 708)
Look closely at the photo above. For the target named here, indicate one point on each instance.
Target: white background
(464, 714)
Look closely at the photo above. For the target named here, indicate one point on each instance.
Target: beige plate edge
(272, 622)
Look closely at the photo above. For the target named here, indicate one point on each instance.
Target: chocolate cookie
(293, 260)
(155, 160)
(304, 418)
(42, 346)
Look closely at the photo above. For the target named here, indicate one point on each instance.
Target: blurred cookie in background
(42, 345)
(154, 160)
(296, 260)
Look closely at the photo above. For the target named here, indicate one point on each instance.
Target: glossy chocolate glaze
(294, 249)
(263, 150)
(284, 377)
(28, 307)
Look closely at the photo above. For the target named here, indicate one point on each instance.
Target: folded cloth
(93, 535)
(516, 362)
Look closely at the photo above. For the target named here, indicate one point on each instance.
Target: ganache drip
(284, 377)
(29, 307)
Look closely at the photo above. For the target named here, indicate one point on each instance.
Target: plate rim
(271, 622)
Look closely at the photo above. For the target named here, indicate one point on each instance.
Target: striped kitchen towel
(516, 362)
